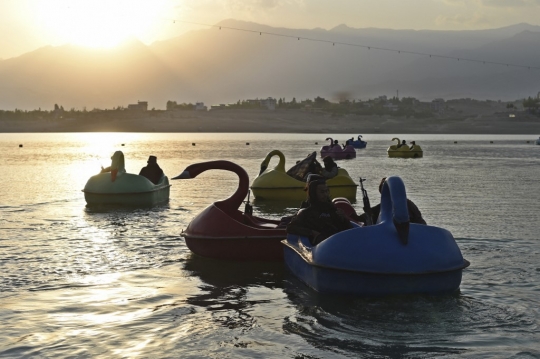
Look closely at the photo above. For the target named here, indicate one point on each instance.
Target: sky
(26, 25)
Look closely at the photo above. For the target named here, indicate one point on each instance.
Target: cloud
(511, 3)
(454, 2)
(254, 5)
(472, 20)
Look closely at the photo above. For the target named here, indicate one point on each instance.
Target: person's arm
(298, 226)
(330, 174)
(344, 222)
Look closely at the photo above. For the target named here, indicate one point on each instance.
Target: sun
(100, 23)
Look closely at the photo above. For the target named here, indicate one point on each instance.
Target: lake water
(116, 283)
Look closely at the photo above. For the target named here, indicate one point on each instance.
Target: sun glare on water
(101, 23)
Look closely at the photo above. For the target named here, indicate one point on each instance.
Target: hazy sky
(26, 25)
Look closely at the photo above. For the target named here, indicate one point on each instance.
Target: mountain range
(216, 65)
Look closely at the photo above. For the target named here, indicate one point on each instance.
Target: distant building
(218, 107)
(199, 106)
(390, 106)
(437, 105)
(269, 103)
(139, 106)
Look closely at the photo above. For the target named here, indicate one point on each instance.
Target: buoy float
(247, 143)
(316, 143)
(20, 146)
(122, 144)
(193, 144)
(455, 141)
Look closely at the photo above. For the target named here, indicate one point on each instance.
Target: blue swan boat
(358, 143)
(390, 257)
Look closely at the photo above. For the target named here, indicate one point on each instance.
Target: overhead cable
(369, 47)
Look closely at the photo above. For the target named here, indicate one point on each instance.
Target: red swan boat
(222, 231)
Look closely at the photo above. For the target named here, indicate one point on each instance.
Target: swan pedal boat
(538, 141)
(358, 143)
(222, 231)
(276, 184)
(337, 152)
(404, 151)
(126, 190)
(390, 258)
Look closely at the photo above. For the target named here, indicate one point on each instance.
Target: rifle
(248, 209)
(367, 206)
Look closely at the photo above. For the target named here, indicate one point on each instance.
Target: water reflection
(227, 288)
(403, 326)
(276, 208)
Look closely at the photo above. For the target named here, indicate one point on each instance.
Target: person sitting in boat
(336, 143)
(117, 165)
(413, 143)
(330, 169)
(152, 171)
(415, 216)
(310, 178)
(403, 143)
(321, 219)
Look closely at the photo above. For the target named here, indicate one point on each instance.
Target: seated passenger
(310, 178)
(414, 213)
(413, 143)
(403, 143)
(152, 171)
(330, 169)
(321, 219)
(117, 165)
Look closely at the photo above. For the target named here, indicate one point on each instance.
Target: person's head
(152, 160)
(318, 192)
(328, 162)
(336, 142)
(404, 142)
(117, 161)
(413, 143)
(381, 184)
(312, 177)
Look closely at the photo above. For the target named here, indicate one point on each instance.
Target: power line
(369, 47)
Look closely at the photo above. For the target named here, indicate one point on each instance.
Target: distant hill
(221, 66)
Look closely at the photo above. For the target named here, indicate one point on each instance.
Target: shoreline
(257, 121)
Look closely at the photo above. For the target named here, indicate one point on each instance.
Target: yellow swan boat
(404, 151)
(278, 184)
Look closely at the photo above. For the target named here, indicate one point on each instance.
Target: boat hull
(345, 282)
(405, 151)
(127, 190)
(277, 185)
(264, 249)
(359, 145)
(234, 236)
(338, 153)
(406, 154)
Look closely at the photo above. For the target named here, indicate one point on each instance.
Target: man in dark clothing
(152, 171)
(403, 143)
(415, 216)
(330, 169)
(321, 219)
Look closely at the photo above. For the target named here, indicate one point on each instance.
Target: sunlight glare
(100, 23)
